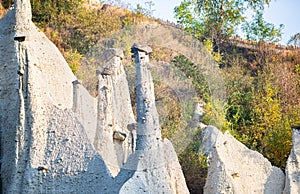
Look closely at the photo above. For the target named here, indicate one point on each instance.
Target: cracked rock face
(233, 168)
(292, 182)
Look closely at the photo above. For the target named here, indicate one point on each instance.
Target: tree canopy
(220, 19)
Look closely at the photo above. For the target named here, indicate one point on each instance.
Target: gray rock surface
(209, 140)
(233, 168)
(23, 16)
(85, 107)
(148, 129)
(175, 175)
(292, 171)
(115, 115)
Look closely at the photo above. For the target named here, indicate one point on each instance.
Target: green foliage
(185, 14)
(270, 127)
(217, 56)
(73, 58)
(219, 19)
(257, 112)
(47, 11)
(193, 72)
(214, 114)
(239, 99)
(260, 30)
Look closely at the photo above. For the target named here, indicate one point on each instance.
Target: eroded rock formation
(46, 115)
(292, 183)
(153, 167)
(233, 168)
(44, 148)
(50, 126)
(115, 134)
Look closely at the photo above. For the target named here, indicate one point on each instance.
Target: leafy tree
(259, 30)
(270, 131)
(193, 72)
(220, 19)
(186, 15)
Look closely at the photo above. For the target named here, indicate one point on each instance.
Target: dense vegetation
(261, 79)
(219, 19)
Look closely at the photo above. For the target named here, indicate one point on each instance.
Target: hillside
(261, 97)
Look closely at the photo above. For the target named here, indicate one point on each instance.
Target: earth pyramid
(49, 124)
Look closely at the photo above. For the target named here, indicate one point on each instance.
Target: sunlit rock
(115, 135)
(233, 168)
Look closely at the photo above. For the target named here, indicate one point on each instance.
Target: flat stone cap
(108, 54)
(141, 47)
